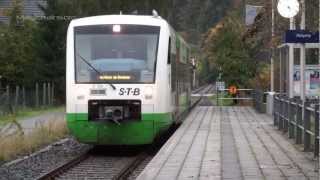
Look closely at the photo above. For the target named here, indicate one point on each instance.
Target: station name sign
(301, 36)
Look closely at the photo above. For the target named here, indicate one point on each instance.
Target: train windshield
(116, 53)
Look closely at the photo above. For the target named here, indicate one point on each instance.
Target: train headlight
(148, 92)
(116, 28)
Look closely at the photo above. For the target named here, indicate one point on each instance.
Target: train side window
(173, 73)
(169, 52)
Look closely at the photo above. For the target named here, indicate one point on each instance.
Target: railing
(236, 97)
(299, 120)
(5, 107)
(13, 98)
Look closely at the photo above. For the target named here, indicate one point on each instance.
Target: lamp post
(303, 54)
(272, 55)
(291, 60)
(289, 9)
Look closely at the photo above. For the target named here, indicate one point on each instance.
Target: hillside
(195, 17)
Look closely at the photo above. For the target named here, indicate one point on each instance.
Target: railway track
(92, 165)
(204, 101)
(107, 164)
(204, 89)
(114, 163)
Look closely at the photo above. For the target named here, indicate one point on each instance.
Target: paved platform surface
(232, 143)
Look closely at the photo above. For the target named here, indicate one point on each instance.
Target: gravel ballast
(43, 161)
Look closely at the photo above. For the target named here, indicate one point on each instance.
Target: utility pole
(271, 93)
(272, 53)
(291, 60)
(303, 54)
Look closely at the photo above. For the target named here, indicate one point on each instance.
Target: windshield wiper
(96, 70)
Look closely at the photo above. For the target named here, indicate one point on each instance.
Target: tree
(225, 49)
(17, 55)
(195, 17)
(35, 50)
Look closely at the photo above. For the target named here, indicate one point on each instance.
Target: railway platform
(233, 143)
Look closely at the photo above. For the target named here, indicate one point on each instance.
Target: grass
(222, 102)
(27, 113)
(20, 144)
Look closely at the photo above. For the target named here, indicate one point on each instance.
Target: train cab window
(126, 56)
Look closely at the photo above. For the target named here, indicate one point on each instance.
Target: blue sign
(301, 36)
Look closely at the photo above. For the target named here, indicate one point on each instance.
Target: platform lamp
(289, 9)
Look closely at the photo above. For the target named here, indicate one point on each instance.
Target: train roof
(125, 19)
(119, 19)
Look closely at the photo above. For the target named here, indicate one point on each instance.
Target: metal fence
(13, 98)
(241, 95)
(300, 120)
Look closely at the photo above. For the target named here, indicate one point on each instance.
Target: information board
(312, 77)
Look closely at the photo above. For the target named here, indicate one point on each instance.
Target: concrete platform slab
(228, 143)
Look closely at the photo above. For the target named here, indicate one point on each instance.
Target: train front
(111, 81)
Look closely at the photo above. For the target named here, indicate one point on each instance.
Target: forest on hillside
(241, 54)
(33, 50)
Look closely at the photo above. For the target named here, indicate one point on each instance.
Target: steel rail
(65, 167)
(130, 167)
(124, 172)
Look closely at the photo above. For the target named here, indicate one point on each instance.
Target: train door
(189, 79)
(177, 78)
(174, 85)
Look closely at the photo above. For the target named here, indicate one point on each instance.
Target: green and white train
(128, 79)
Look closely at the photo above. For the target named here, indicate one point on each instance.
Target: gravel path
(28, 124)
(42, 161)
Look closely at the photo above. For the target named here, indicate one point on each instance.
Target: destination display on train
(118, 77)
(115, 77)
